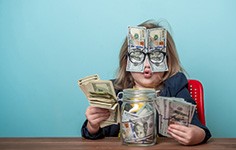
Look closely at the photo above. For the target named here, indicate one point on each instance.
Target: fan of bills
(173, 110)
(100, 93)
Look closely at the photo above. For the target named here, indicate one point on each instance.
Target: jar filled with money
(138, 117)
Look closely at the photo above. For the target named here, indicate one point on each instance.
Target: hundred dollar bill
(136, 41)
(101, 93)
(146, 109)
(136, 128)
(173, 110)
(157, 39)
(179, 112)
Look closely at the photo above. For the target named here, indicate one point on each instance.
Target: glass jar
(138, 117)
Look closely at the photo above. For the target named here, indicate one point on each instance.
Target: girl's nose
(146, 63)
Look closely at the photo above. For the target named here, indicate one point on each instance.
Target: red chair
(196, 91)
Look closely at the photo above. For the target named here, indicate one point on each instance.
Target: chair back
(196, 91)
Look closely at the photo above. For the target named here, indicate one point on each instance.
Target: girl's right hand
(95, 116)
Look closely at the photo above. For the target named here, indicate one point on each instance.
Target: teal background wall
(47, 45)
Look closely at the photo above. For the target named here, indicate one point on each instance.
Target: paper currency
(137, 127)
(101, 93)
(157, 40)
(173, 110)
(136, 41)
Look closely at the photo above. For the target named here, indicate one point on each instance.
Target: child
(158, 68)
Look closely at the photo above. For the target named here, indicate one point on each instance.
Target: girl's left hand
(190, 135)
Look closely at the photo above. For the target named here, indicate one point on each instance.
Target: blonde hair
(124, 78)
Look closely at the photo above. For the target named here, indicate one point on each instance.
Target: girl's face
(147, 79)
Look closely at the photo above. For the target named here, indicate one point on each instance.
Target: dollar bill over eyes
(136, 41)
(172, 110)
(101, 93)
(157, 39)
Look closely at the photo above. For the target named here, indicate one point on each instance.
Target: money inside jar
(137, 117)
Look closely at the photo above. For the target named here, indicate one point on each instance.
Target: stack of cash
(100, 93)
(173, 110)
(137, 123)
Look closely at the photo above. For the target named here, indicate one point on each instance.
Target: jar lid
(139, 91)
(139, 94)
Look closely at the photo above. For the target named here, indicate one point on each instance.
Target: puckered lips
(147, 73)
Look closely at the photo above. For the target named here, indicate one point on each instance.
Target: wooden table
(107, 144)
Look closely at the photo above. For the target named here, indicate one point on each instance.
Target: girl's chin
(147, 84)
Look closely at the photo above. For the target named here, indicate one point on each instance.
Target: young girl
(167, 77)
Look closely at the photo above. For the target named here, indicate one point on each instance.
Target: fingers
(98, 118)
(176, 129)
(93, 110)
(179, 133)
(176, 136)
(179, 127)
(96, 115)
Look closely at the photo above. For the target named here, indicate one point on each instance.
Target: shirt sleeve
(196, 121)
(108, 131)
(85, 133)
